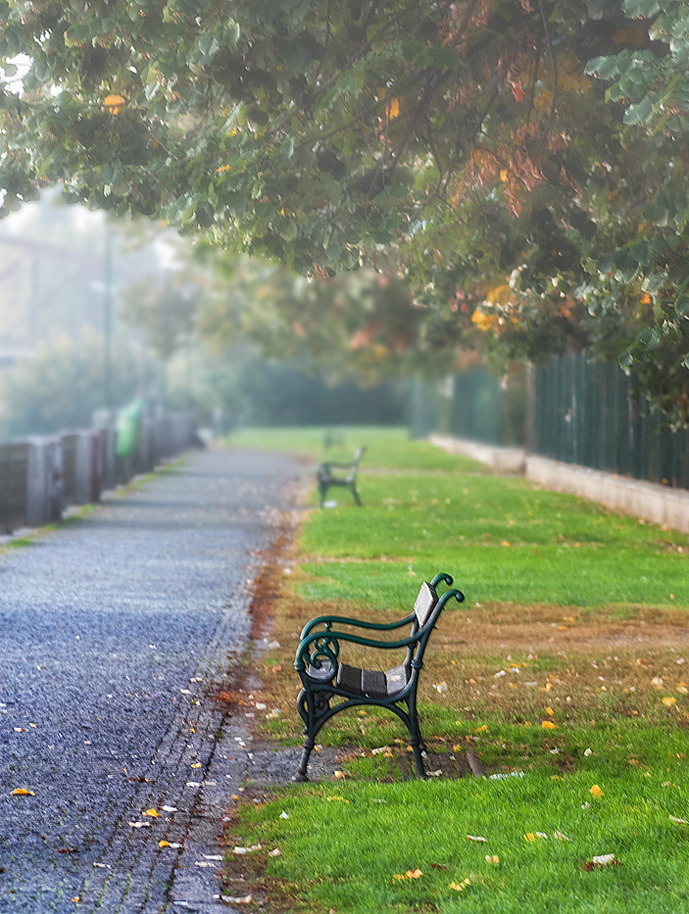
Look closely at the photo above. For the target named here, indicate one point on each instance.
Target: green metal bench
(331, 473)
(326, 679)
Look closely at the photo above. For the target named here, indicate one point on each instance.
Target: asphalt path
(115, 629)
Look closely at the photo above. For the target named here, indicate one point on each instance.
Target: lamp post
(107, 317)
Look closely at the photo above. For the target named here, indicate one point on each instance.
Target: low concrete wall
(649, 501)
(503, 459)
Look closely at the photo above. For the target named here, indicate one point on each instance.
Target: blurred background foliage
(506, 177)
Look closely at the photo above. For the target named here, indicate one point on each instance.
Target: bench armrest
(359, 623)
(324, 645)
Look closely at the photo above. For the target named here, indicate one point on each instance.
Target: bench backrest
(425, 603)
(427, 609)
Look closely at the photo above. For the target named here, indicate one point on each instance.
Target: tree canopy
(519, 164)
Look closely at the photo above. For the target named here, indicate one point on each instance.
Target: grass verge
(564, 672)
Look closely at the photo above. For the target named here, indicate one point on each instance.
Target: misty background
(97, 311)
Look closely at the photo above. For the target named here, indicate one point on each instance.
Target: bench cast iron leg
(304, 763)
(356, 495)
(312, 707)
(416, 739)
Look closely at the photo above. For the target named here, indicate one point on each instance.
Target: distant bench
(331, 473)
(324, 677)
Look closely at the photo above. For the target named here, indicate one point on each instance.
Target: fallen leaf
(595, 791)
(477, 838)
(139, 824)
(492, 859)
(338, 798)
(560, 836)
(340, 775)
(276, 852)
(550, 711)
(548, 725)
(460, 886)
(679, 821)
(669, 701)
(602, 860)
(153, 813)
(245, 899)
(284, 815)
(22, 792)
(438, 866)
(410, 874)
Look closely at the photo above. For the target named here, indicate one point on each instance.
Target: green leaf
(640, 113)
(641, 9)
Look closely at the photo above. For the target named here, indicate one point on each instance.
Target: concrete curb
(649, 501)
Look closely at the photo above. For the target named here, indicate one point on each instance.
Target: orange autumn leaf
(548, 725)
(669, 701)
(393, 108)
(22, 792)
(114, 103)
(153, 813)
(595, 791)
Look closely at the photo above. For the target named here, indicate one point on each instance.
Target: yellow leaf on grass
(22, 792)
(153, 813)
(595, 791)
(337, 798)
(410, 874)
(460, 886)
(550, 711)
(669, 701)
(548, 725)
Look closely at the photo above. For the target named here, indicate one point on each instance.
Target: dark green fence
(586, 413)
(581, 412)
(475, 405)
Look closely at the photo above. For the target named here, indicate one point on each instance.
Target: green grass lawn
(343, 845)
(564, 671)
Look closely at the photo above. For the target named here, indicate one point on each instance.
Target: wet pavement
(115, 630)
